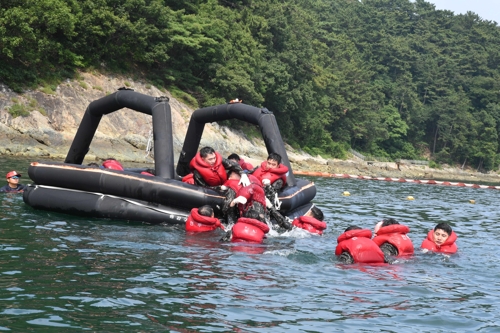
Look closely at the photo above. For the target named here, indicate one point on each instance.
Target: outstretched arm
(272, 189)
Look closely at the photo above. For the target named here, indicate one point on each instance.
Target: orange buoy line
(399, 180)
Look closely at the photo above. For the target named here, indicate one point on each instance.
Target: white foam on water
(294, 233)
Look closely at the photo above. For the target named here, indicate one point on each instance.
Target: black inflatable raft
(72, 188)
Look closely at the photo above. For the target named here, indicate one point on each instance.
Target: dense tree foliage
(387, 77)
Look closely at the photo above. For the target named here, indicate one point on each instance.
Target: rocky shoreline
(53, 116)
(390, 170)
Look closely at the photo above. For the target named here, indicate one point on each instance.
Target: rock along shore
(54, 117)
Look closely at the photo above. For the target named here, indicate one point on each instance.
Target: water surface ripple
(65, 273)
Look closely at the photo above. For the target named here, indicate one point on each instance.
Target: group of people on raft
(390, 240)
(251, 205)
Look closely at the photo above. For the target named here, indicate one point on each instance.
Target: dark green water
(61, 273)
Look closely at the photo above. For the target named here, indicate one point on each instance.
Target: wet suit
(18, 188)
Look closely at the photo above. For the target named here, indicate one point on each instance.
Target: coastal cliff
(50, 118)
(54, 116)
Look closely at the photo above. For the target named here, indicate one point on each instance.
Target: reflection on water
(64, 272)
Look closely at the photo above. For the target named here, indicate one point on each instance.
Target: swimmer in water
(355, 246)
(441, 239)
(392, 238)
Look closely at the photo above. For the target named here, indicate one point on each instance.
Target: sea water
(62, 273)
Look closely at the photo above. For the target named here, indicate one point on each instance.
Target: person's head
(208, 155)
(233, 175)
(441, 233)
(273, 160)
(384, 223)
(234, 157)
(352, 227)
(389, 221)
(206, 210)
(316, 213)
(13, 178)
(93, 164)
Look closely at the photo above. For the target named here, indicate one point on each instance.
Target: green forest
(390, 78)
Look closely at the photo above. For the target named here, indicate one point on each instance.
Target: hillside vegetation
(389, 78)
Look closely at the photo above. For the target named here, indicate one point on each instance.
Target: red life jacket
(112, 164)
(214, 175)
(146, 173)
(448, 246)
(395, 234)
(252, 192)
(233, 184)
(199, 223)
(189, 179)
(245, 165)
(272, 174)
(249, 230)
(310, 224)
(254, 180)
(359, 244)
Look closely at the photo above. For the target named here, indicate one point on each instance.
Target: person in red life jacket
(202, 219)
(149, 172)
(249, 229)
(356, 246)
(231, 187)
(244, 165)
(252, 199)
(209, 169)
(392, 238)
(272, 174)
(441, 239)
(13, 183)
(311, 221)
(112, 164)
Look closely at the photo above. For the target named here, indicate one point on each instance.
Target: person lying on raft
(112, 164)
(272, 175)
(311, 221)
(149, 172)
(209, 168)
(202, 219)
(442, 239)
(356, 246)
(244, 165)
(392, 238)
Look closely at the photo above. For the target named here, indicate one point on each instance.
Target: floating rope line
(397, 180)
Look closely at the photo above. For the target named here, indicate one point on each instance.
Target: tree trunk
(435, 139)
